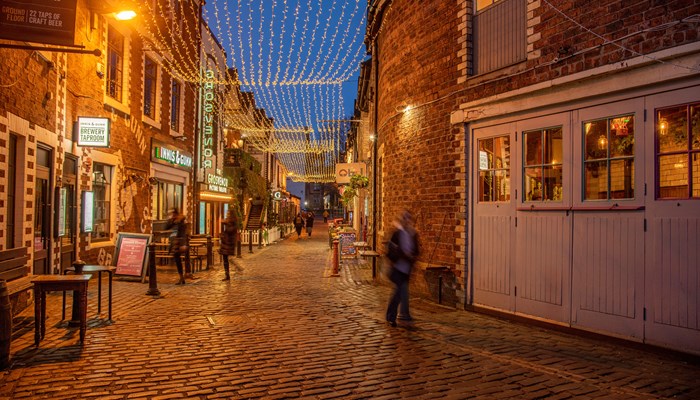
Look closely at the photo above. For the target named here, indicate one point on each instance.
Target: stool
(99, 269)
(58, 283)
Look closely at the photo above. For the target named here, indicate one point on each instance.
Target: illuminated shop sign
(216, 183)
(164, 154)
(93, 132)
(344, 171)
(208, 121)
(39, 21)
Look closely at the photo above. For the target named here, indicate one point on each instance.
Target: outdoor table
(99, 269)
(58, 283)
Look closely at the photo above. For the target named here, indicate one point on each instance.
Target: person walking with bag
(402, 251)
(178, 240)
(229, 235)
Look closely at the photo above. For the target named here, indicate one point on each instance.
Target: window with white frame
(115, 64)
(542, 165)
(608, 159)
(150, 87)
(166, 197)
(102, 190)
(494, 169)
(499, 34)
(175, 102)
(677, 135)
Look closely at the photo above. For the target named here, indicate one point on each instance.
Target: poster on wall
(88, 214)
(61, 212)
(93, 132)
(131, 254)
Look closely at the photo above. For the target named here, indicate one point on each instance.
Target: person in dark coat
(309, 223)
(298, 224)
(229, 236)
(178, 240)
(403, 250)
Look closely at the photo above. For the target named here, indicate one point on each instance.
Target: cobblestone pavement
(283, 328)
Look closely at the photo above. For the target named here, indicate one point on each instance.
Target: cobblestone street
(283, 328)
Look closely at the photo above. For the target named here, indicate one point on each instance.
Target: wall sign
(208, 121)
(62, 211)
(93, 132)
(171, 156)
(130, 254)
(216, 183)
(88, 214)
(39, 21)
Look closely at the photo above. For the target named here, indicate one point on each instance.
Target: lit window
(115, 64)
(150, 80)
(175, 106)
(167, 196)
(677, 136)
(542, 171)
(102, 189)
(608, 159)
(494, 169)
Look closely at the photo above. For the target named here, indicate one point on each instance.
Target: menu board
(130, 253)
(347, 239)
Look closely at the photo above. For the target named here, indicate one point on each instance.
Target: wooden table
(99, 269)
(58, 283)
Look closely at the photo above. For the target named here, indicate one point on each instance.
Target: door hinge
(516, 136)
(644, 312)
(516, 194)
(516, 222)
(645, 115)
(645, 189)
(645, 224)
(515, 291)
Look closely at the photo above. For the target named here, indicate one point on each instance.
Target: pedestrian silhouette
(402, 251)
(178, 240)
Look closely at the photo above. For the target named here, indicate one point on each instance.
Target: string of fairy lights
(290, 59)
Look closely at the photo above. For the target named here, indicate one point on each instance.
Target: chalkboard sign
(131, 254)
(347, 249)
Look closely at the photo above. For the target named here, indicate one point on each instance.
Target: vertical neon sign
(208, 118)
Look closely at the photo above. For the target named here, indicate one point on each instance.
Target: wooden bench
(14, 270)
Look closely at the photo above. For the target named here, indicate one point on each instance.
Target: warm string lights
(294, 65)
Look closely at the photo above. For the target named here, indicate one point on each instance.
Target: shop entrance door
(42, 212)
(68, 206)
(494, 216)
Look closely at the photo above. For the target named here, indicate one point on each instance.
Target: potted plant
(358, 181)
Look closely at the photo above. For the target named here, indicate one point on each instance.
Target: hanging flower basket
(359, 181)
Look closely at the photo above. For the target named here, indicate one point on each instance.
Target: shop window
(115, 64)
(168, 195)
(150, 86)
(677, 136)
(102, 190)
(494, 169)
(543, 170)
(499, 34)
(175, 101)
(608, 159)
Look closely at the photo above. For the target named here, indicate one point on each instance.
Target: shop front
(215, 197)
(169, 178)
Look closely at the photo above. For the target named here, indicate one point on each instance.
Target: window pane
(695, 125)
(175, 106)
(486, 154)
(485, 186)
(533, 148)
(149, 88)
(672, 129)
(622, 179)
(622, 136)
(596, 184)
(115, 55)
(596, 140)
(552, 183)
(502, 185)
(553, 146)
(533, 184)
(501, 151)
(101, 178)
(673, 176)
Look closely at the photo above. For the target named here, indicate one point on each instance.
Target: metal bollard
(336, 261)
(75, 313)
(260, 239)
(250, 242)
(238, 246)
(152, 278)
(5, 325)
(210, 252)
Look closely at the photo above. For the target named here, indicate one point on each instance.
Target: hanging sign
(171, 156)
(92, 132)
(38, 21)
(344, 171)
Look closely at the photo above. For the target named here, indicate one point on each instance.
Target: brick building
(550, 151)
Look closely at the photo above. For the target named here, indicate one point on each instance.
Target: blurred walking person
(229, 237)
(402, 251)
(309, 223)
(178, 240)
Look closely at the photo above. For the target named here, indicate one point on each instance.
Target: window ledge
(150, 122)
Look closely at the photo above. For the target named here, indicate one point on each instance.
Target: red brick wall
(417, 53)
